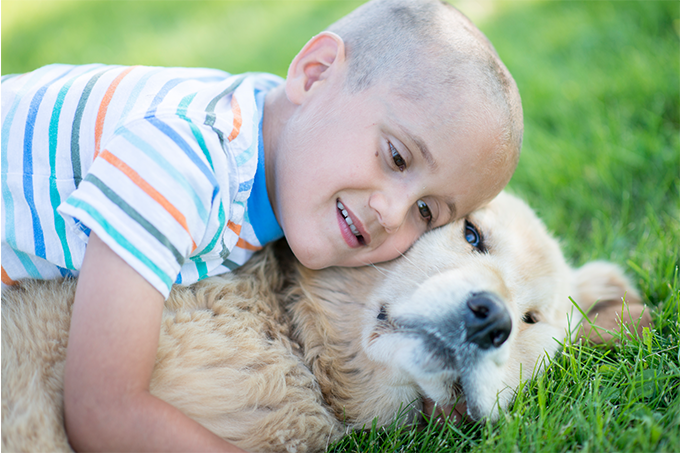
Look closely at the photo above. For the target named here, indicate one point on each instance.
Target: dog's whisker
(382, 270)
(419, 268)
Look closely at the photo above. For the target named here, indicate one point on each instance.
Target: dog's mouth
(453, 413)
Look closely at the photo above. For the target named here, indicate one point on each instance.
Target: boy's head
(398, 119)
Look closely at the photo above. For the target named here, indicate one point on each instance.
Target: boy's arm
(110, 357)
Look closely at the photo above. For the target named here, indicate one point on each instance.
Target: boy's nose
(391, 209)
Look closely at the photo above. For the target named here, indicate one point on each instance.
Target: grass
(600, 83)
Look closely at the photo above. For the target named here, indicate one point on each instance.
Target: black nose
(488, 322)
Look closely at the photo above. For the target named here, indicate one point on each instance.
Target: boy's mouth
(350, 223)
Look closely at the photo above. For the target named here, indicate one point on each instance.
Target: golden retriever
(276, 357)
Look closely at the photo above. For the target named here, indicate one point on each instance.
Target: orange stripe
(149, 190)
(233, 227)
(237, 119)
(247, 245)
(103, 107)
(5, 278)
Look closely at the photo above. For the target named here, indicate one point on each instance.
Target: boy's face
(392, 167)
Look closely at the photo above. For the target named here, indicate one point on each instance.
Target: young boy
(398, 119)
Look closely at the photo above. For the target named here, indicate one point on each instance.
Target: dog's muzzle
(487, 321)
(482, 323)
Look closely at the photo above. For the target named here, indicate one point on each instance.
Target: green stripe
(169, 168)
(210, 109)
(200, 264)
(230, 264)
(202, 269)
(120, 239)
(221, 219)
(135, 215)
(55, 196)
(181, 112)
(75, 130)
(28, 264)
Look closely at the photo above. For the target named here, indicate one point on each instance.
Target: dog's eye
(473, 237)
(383, 314)
(529, 318)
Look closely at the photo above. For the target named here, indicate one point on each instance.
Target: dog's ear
(606, 295)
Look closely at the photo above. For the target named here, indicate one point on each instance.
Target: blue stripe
(245, 186)
(38, 236)
(188, 150)
(28, 264)
(9, 236)
(172, 134)
(172, 84)
(265, 226)
(64, 272)
(159, 159)
(134, 94)
(162, 93)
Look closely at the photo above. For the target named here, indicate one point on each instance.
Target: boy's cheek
(394, 246)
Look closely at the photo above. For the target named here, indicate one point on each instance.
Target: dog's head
(469, 311)
(476, 306)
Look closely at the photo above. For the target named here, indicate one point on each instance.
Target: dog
(277, 357)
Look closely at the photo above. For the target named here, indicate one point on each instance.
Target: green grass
(600, 83)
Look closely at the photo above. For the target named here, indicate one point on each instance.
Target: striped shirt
(165, 165)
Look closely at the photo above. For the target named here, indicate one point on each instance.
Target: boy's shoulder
(202, 99)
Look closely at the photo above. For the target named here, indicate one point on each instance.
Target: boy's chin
(316, 260)
(311, 260)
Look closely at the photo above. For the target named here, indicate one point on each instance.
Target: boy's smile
(352, 231)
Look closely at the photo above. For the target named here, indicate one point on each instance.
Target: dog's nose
(487, 321)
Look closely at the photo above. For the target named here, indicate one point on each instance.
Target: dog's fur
(276, 357)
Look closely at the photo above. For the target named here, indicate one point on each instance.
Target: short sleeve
(149, 195)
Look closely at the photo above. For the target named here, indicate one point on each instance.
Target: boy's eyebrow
(422, 147)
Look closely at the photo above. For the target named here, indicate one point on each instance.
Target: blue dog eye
(472, 236)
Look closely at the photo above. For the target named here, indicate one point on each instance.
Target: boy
(398, 119)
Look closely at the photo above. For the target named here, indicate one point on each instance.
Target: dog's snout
(487, 321)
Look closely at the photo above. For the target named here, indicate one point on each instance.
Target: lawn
(600, 84)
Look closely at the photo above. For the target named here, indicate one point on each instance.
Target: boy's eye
(424, 210)
(396, 157)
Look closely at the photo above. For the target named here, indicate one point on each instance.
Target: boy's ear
(601, 289)
(317, 60)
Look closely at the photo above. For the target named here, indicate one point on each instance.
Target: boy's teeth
(354, 230)
(349, 221)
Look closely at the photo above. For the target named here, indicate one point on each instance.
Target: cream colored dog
(281, 358)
